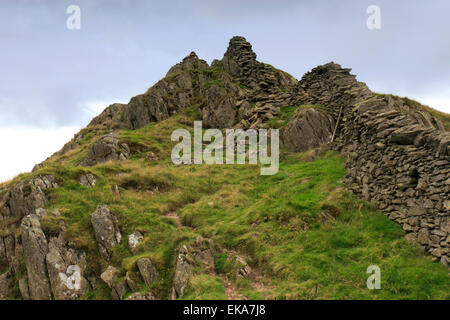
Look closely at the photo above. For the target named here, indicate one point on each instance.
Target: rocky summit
(364, 180)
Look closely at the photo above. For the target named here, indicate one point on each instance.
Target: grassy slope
(275, 221)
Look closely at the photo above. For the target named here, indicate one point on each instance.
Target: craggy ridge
(397, 156)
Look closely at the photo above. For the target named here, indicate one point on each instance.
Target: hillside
(363, 180)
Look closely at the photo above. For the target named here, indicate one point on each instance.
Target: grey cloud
(123, 47)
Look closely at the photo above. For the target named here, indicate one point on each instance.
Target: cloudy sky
(54, 80)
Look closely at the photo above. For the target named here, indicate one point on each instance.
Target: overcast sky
(54, 80)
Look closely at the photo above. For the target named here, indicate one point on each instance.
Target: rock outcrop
(243, 270)
(220, 103)
(120, 289)
(26, 197)
(3, 257)
(4, 286)
(134, 240)
(178, 89)
(24, 289)
(131, 282)
(198, 254)
(148, 271)
(88, 180)
(106, 148)
(109, 276)
(21, 205)
(308, 128)
(35, 249)
(231, 91)
(66, 269)
(118, 286)
(106, 230)
(183, 272)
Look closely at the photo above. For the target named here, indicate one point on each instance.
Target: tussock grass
(301, 230)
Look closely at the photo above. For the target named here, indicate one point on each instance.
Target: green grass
(276, 221)
(305, 235)
(205, 287)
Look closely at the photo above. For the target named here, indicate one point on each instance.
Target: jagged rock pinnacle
(191, 55)
(191, 61)
(239, 59)
(239, 48)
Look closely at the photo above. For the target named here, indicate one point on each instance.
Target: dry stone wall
(398, 154)
(404, 167)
